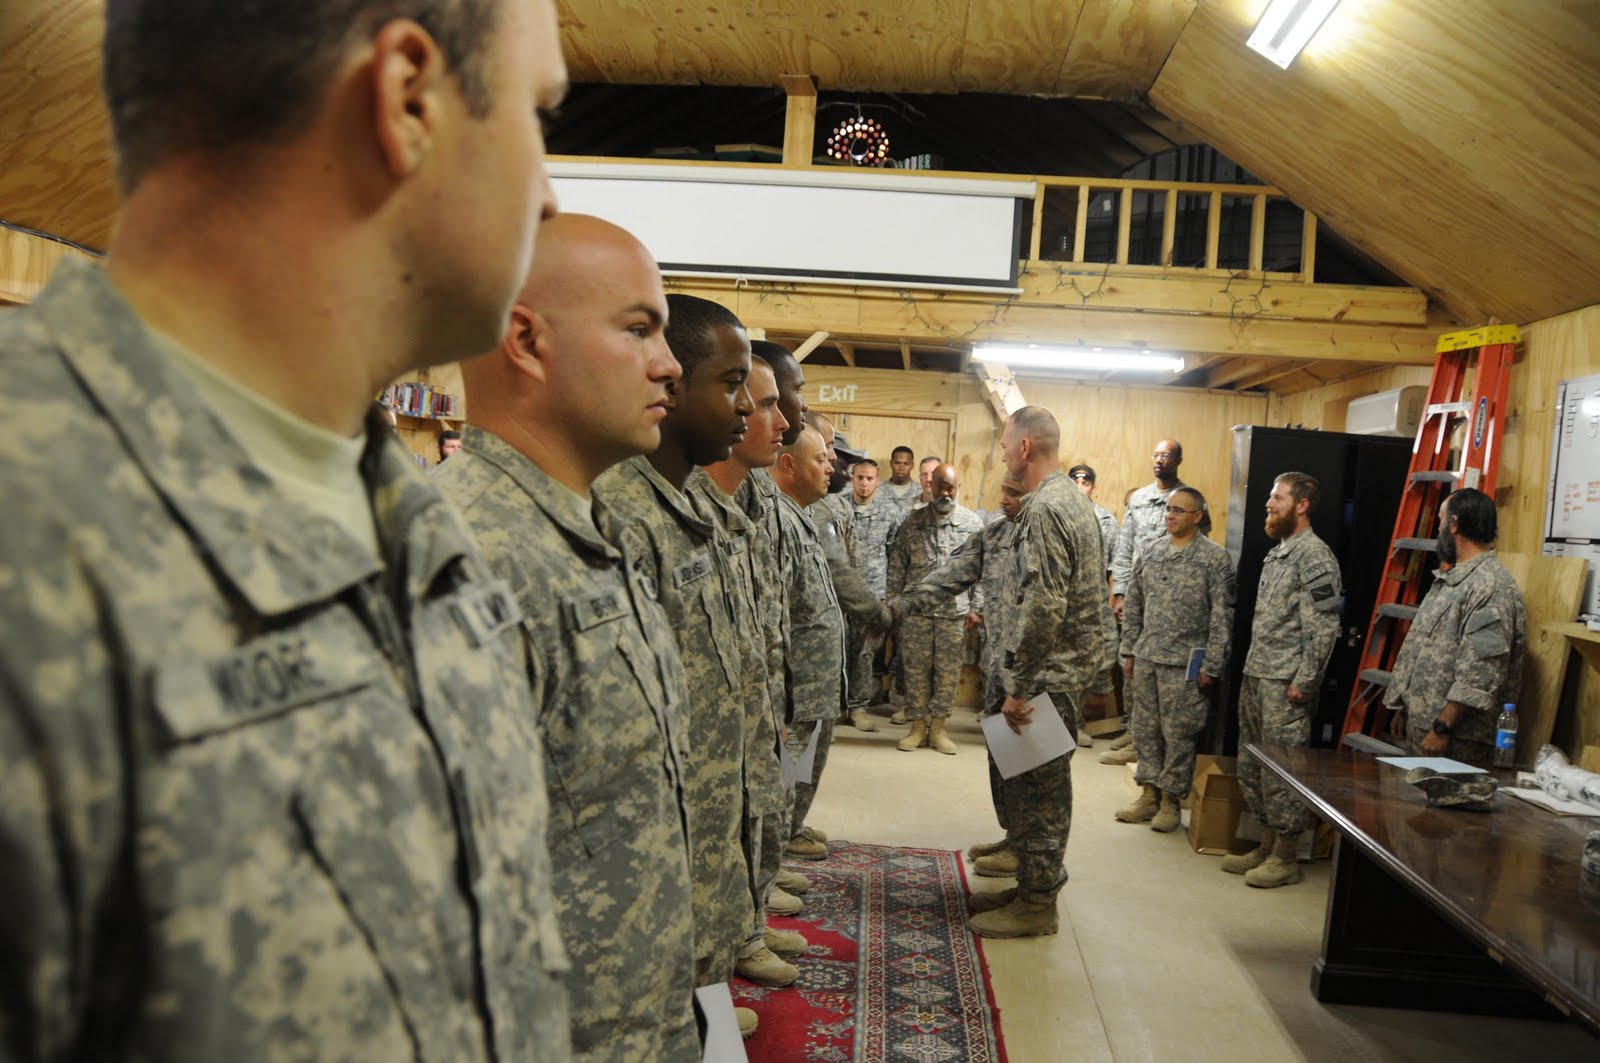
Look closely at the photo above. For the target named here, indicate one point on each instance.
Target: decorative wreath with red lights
(859, 141)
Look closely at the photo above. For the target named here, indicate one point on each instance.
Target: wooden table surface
(1511, 880)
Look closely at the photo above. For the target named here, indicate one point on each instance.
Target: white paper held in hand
(796, 768)
(723, 1043)
(1041, 741)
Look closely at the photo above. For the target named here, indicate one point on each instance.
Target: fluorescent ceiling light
(1032, 356)
(1288, 26)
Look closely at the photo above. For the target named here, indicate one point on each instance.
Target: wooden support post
(847, 351)
(1000, 388)
(1169, 226)
(1038, 224)
(905, 354)
(1308, 249)
(812, 342)
(1080, 227)
(1213, 229)
(800, 120)
(1124, 223)
(1258, 231)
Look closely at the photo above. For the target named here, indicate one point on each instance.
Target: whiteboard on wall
(1572, 501)
(822, 225)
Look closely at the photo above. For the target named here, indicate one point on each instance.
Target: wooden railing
(1259, 196)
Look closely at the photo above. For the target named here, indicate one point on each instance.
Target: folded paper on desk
(1042, 741)
(1442, 765)
(1554, 804)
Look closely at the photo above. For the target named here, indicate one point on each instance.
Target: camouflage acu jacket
(1108, 532)
(739, 550)
(814, 663)
(267, 795)
(875, 524)
(1054, 640)
(678, 544)
(925, 541)
(1179, 601)
(1466, 645)
(984, 566)
(1297, 612)
(609, 691)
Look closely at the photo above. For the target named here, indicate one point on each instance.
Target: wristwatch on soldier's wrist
(1442, 728)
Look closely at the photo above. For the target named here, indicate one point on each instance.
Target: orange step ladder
(1486, 353)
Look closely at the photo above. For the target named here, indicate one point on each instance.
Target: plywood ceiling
(1458, 144)
(1105, 48)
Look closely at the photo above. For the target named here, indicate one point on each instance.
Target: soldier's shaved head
(1039, 425)
(580, 379)
(1029, 444)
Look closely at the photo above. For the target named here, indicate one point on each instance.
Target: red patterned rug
(891, 973)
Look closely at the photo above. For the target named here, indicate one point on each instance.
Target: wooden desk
(1431, 908)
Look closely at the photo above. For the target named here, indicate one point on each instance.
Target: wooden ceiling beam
(1232, 371)
(812, 343)
(905, 353)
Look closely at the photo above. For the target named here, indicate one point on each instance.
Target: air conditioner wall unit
(1388, 413)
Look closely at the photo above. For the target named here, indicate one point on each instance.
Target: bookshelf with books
(426, 402)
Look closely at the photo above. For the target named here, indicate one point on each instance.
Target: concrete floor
(1161, 956)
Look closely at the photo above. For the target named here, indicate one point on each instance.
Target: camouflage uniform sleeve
(1108, 532)
(895, 582)
(1483, 656)
(1133, 609)
(1045, 562)
(953, 577)
(1122, 556)
(60, 817)
(855, 597)
(1319, 617)
(1223, 590)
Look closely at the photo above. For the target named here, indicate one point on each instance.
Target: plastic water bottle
(1505, 737)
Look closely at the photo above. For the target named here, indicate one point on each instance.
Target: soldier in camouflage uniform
(644, 498)
(1291, 640)
(1053, 646)
(985, 565)
(1143, 522)
(900, 490)
(875, 519)
(932, 630)
(272, 779)
(1101, 691)
(1180, 600)
(608, 683)
(1462, 659)
(750, 570)
(814, 625)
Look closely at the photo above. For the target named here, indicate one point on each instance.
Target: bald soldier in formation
(607, 679)
(246, 639)
(1053, 646)
(643, 498)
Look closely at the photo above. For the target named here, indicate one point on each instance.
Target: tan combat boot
(987, 848)
(1085, 739)
(1279, 869)
(786, 944)
(763, 967)
(1168, 819)
(1123, 740)
(991, 900)
(1142, 809)
(862, 720)
(1122, 751)
(781, 902)
(813, 834)
(917, 735)
(1239, 864)
(792, 882)
(939, 740)
(997, 865)
(1019, 919)
(747, 1022)
(899, 717)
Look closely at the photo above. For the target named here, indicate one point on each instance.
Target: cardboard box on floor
(1215, 804)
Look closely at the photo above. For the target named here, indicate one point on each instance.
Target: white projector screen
(924, 231)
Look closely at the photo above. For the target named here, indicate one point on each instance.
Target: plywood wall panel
(1455, 143)
(1118, 48)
